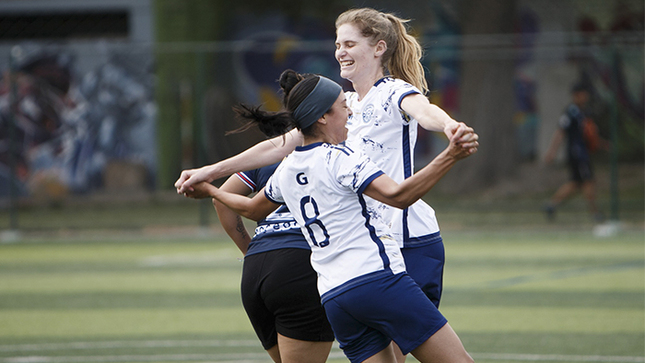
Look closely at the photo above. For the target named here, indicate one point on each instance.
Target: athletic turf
(548, 296)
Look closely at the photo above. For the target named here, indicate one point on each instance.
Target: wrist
(211, 172)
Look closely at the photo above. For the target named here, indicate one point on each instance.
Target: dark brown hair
(295, 88)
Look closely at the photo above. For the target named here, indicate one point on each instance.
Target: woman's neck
(322, 137)
(312, 140)
(363, 86)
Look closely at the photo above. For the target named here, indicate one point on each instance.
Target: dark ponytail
(270, 124)
(295, 88)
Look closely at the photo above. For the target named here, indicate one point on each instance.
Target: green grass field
(120, 292)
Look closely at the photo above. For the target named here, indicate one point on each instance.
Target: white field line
(232, 357)
(128, 344)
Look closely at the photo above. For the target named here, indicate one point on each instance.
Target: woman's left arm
(387, 191)
(256, 208)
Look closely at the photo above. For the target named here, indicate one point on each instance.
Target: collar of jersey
(309, 146)
(381, 80)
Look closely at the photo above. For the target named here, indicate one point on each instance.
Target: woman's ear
(381, 47)
(322, 120)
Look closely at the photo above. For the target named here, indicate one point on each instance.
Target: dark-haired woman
(278, 284)
(369, 298)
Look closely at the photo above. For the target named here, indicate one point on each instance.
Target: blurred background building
(121, 95)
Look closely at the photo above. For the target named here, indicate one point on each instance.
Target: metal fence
(96, 115)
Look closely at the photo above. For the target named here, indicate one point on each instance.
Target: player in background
(581, 139)
(369, 298)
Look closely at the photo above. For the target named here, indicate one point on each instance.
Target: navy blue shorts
(280, 295)
(368, 317)
(425, 265)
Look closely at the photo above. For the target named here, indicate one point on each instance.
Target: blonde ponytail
(402, 59)
(405, 62)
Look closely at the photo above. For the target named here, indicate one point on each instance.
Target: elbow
(402, 204)
(248, 214)
(395, 197)
(256, 217)
(244, 212)
(401, 201)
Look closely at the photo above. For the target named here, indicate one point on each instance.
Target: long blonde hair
(403, 55)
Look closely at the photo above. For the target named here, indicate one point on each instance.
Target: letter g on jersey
(301, 179)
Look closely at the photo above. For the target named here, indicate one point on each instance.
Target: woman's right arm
(262, 154)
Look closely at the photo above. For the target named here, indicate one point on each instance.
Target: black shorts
(580, 170)
(280, 295)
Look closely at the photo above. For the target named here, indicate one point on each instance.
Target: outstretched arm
(231, 221)
(264, 153)
(431, 117)
(256, 208)
(387, 191)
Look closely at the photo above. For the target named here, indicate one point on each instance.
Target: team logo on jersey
(368, 113)
(302, 179)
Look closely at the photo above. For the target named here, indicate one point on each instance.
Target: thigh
(261, 318)
(293, 350)
(443, 346)
(289, 290)
(425, 265)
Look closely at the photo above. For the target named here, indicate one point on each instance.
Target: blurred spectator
(581, 135)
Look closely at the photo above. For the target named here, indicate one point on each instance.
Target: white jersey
(322, 184)
(379, 128)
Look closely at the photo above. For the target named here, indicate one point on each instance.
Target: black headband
(319, 101)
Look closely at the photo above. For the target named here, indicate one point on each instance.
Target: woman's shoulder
(395, 86)
(389, 81)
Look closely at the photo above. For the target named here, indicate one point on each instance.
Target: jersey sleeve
(248, 178)
(401, 89)
(272, 191)
(355, 170)
(256, 179)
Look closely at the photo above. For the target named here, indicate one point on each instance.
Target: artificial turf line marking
(128, 344)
